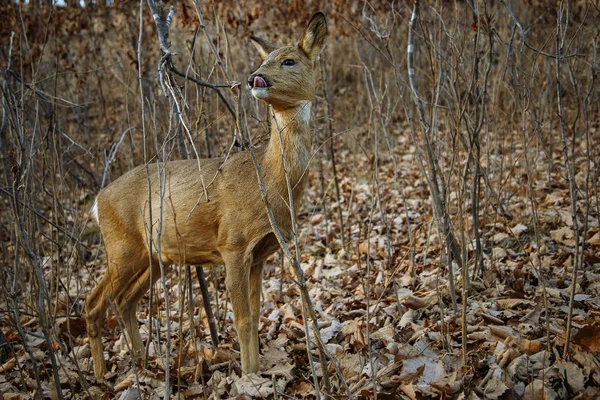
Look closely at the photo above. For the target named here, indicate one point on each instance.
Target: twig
(205, 84)
(147, 230)
(231, 83)
(435, 183)
(111, 156)
(332, 150)
(24, 241)
(207, 306)
(560, 37)
(162, 25)
(556, 56)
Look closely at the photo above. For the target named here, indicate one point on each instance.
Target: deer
(211, 210)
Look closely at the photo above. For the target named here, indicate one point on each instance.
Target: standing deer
(224, 222)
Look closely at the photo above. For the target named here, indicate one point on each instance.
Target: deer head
(287, 76)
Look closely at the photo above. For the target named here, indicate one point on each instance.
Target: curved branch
(205, 84)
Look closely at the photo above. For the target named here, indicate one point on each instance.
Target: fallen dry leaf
(588, 337)
(369, 239)
(387, 334)
(572, 374)
(504, 332)
(125, 383)
(7, 366)
(494, 389)
(284, 370)
(536, 390)
(253, 385)
(513, 303)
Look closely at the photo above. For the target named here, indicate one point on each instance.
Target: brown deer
(212, 209)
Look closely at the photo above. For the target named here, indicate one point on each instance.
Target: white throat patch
(300, 114)
(304, 113)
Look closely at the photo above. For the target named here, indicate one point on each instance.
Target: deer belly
(186, 246)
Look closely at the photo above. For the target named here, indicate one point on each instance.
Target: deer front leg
(130, 323)
(237, 280)
(255, 291)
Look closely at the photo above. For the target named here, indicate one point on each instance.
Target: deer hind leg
(255, 291)
(95, 309)
(138, 282)
(123, 283)
(237, 280)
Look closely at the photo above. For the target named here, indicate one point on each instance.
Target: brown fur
(224, 222)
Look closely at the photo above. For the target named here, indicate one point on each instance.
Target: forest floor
(398, 335)
(398, 319)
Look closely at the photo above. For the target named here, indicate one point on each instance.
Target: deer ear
(314, 36)
(264, 48)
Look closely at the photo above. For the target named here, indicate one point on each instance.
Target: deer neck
(290, 127)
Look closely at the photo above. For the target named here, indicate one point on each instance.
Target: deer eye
(288, 62)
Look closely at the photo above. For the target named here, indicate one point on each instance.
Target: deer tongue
(259, 82)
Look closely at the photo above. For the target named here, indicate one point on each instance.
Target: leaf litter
(400, 338)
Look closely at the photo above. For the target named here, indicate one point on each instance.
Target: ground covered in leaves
(398, 335)
(379, 278)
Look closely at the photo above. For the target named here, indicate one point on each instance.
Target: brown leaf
(500, 236)
(275, 352)
(563, 235)
(365, 247)
(125, 383)
(504, 332)
(588, 337)
(72, 326)
(425, 368)
(494, 389)
(554, 198)
(284, 370)
(304, 388)
(316, 219)
(518, 368)
(15, 396)
(7, 366)
(572, 374)
(407, 318)
(82, 351)
(449, 384)
(530, 346)
(409, 390)
(414, 302)
(595, 240)
(412, 375)
(387, 334)
(195, 391)
(350, 365)
(513, 303)
(518, 229)
(536, 390)
(253, 385)
(288, 314)
(585, 359)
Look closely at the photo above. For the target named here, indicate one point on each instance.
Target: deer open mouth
(258, 83)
